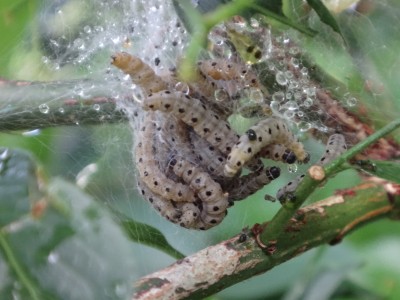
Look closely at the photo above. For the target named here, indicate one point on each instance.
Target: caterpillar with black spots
(247, 185)
(214, 200)
(194, 113)
(267, 132)
(335, 146)
(185, 214)
(140, 73)
(149, 170)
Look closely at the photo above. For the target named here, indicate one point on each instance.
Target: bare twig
(234, 260)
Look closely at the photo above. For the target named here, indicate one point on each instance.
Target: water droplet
(281, 78)
(293, 84)
(291, 105)
(351, 102)
(182, 87)
(61, 110)
(53, 257)
(45, 60)
(96, 107)
(300, 114)
(303, 126)
(278, 96)
(292, 168)
(308, 102)
(79, 44)
(289, 114)
(275, 107)
(304, 71)
(221, 95)
(297, 96)
(87, 29)
(34, 132)
(288, 75)
(295, 62)
(256, 95)
(44, 108)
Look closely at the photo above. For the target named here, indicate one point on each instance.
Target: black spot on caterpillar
(195, 114)
(140, 73)
(336, 145)
(269, 131)
(148, 168)
(247, 185)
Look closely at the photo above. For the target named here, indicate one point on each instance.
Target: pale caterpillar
(148, 168)
(195, 114)
(247, 185)
(214, 200)
(140, 73)
(209, 157)
(187, 215)
(336, 145)
(269, 131)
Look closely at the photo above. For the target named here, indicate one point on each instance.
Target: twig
(34, 105)
(308, 185)
(232, 261)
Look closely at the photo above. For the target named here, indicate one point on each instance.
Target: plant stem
(23, 277)
(308, 185)
(227, 263)
(33, 105)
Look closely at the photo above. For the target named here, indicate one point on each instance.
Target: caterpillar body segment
(278, 152)
(247, 185)
(208, 190)
(185, 214)
(149, 170)
(140, 73)
(194, 113)
(335, 147)
(209, 157)
(267, 132)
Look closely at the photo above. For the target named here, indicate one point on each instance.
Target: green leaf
(67, 246)
(15, 16)
(150, 236)
(324, 14)
(389, 170)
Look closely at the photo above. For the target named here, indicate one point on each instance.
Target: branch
(308, 185)
(225, 264)
(31, 105)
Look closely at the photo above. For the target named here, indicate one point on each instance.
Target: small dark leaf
(389, 170)
(324, 14)
(150, 236)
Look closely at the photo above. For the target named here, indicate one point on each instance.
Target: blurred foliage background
(78, 249)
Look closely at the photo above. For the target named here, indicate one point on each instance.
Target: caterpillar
(247, 185)
(140, 73)
(187, 215)
(269, 131)
(210, 158)
(336, 145)
(195, 114)
(149, 170)
(215, 201)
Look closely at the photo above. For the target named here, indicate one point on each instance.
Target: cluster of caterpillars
(188, 157)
